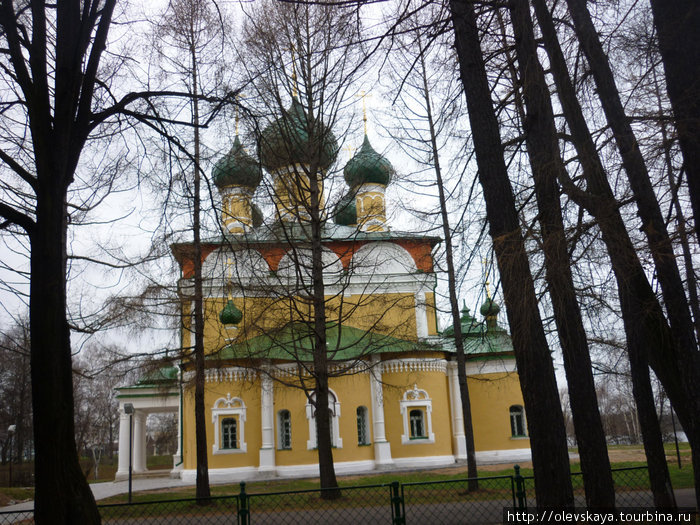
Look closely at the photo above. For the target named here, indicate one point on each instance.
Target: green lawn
(680, 478)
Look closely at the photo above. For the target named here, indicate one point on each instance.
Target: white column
(459, 442)
(123, 469)
(139, 441)
(177, 457)
(382, 448)
(267, 451)
(421, 315)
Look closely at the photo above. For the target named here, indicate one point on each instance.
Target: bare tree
(677, 27)
(57, 94)
(548, 437)
(191, 40)
(547, 164)
(422, 129)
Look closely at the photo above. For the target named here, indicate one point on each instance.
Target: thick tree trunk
(659, 477)
(547, 164)
(645, 326)
(62, 495)
(546, 423)
(677, 24)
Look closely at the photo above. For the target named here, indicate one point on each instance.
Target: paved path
(112, 488)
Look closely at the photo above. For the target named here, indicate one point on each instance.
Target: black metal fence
(454, 501)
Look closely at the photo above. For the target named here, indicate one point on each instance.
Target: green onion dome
(489, 308)
(368, 166)
(346, 210)
(296, 139)
(468, 323)
(230, 314)
(237, 168)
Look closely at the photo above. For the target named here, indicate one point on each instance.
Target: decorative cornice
(414, 365)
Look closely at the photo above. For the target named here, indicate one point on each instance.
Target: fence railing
(463, 501)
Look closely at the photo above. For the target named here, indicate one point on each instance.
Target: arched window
(228, 416)
(362, 426)
(229, 433)
(284, 426)
(417, 409)
(334, 411)
(417, 424)
(517, 421)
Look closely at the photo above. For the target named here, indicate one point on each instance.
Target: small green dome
(346, 210)
(230, 314)
(294, 139)
(368, 166)
(237, 168)
(489, 308)
(468, 323)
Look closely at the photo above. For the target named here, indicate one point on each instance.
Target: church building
(394, 396)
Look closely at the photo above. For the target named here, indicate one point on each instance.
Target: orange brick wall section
(419, 250)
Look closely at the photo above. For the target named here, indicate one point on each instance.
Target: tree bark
(677, 24)
(320, 348)
(546, 423)
(452, 289)
(547, 165)
(61, 494)
(202, 484)
(683, 354)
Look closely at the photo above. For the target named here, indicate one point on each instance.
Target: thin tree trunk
(202, 488)
(683, 234)
(645, 325)
(62, 495)
(653, 224)
(677, 24)
(546, 162)
(320, 352)
(452, 288)
(546, 423)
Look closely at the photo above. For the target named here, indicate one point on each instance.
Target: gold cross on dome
(484, 262)
(363, 95)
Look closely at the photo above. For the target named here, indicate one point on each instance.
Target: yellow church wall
(435, 384)
(249, 392)
(389, 314)
(352, 391)
(431, 313)
(491, 397)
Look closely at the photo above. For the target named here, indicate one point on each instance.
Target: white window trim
(229, 406)
(522, 413)
(334, 406)
(417, 398)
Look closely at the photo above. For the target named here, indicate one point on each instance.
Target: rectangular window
(362, 430)
(229, 433)
(285, 430)
(517, 421)
(417, 425)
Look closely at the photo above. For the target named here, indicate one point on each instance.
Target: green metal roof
(296, 342)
